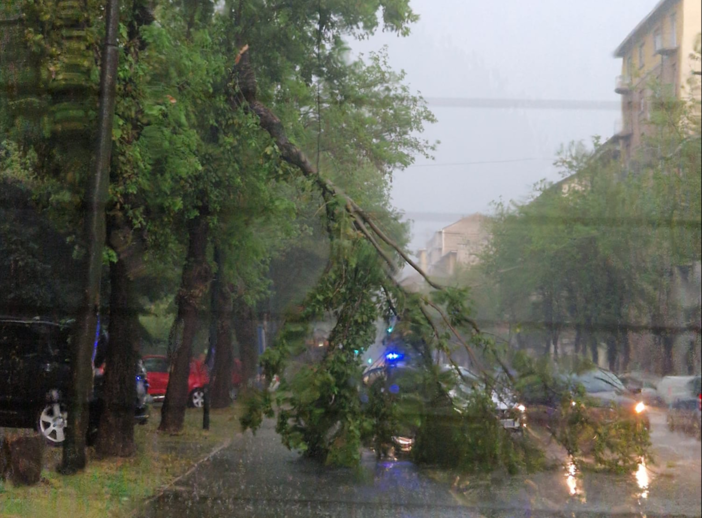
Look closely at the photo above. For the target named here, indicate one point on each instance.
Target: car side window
(156, 365)
(19, 341)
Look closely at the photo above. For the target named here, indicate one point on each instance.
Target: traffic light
(391, 324)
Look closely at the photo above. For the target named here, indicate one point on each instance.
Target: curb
(160, 491)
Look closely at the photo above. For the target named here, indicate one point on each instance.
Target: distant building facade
(658, 49)
(457, 244)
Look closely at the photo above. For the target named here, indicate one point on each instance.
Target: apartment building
(657, 51)
(457, 244)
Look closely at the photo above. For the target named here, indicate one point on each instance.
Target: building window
(657, 40)
(673, 30)
(629, 68)
(642, 60)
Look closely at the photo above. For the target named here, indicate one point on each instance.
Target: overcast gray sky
(503, 49)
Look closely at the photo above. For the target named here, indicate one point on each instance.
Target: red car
(157, 375)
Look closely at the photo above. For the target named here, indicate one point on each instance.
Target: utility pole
(74, 458)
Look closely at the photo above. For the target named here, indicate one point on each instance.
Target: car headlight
(640, 407)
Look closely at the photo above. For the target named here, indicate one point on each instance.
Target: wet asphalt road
(258, 477)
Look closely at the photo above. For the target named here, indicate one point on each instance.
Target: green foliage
(472, 439)
(596, 252)
(609, 438)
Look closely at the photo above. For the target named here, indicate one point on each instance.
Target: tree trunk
(578, 339)
(625, 346)
(222, 315)
(194, 285)
(116, 431)
(74, 457)
(21, 459)
(594, 348)
(612, 353)
(668, 340)
(245, 330)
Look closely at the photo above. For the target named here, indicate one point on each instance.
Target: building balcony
(667, 50)
(622, 130)
(623, 85)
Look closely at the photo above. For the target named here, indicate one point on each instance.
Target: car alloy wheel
(197, 398)
(52, 423)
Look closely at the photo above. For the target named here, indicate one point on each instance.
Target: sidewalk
(117, 487)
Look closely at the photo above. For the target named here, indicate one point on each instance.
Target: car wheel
(52, 423)
(197, 398)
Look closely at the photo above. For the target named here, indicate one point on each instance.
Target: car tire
(51, 423)
(197, 398)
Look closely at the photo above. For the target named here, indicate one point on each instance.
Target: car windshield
(600, 381)
(379, 258)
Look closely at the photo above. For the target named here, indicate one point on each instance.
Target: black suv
(35, 375)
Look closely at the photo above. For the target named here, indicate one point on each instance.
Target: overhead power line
(483, 162)
(528, 104)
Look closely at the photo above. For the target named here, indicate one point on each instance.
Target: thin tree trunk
(625, 346)
(594, 348)
(578, 339)
(116, 431)
(194, 285)
(245, 330)
(668, 339)
(612, 353)
(74, 457)
(222, 315)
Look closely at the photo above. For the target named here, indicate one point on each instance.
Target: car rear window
(156, 365)
(600, 381)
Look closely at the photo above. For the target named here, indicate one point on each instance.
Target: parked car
(643, 386)
(685, 410)
(673, 388)
(35, 376)
(510, 412)
(157, 374)
(602, 388)
(405, 380)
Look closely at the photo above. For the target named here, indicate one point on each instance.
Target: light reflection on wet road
(258, 477)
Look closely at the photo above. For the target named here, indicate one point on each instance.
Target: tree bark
(194, 284)
(74, 457)
(245, 330)
(21, 459)
(116, 430)
(222, 315)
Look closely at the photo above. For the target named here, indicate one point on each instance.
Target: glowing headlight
(640, 407)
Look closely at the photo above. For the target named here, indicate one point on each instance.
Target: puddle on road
(573, 481)
(642, 479)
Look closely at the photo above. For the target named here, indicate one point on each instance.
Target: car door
(7, 352)
(19, 366)
(156, 375)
